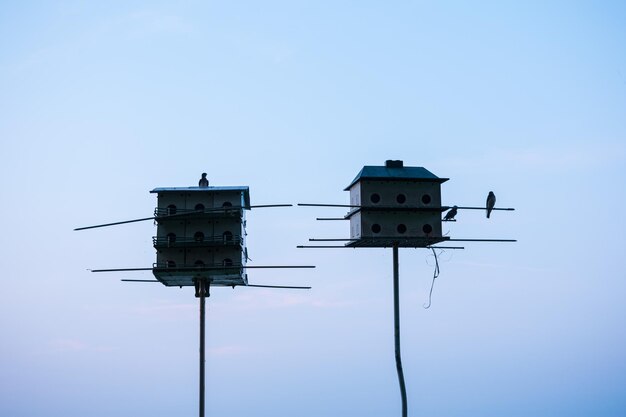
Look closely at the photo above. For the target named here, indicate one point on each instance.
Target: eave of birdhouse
(383, 173)
(242, 189)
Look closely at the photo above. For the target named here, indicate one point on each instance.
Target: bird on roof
(451, 213)
(491, 202)
(203, 181)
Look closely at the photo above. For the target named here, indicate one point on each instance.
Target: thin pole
(203, 291)
(396, 327)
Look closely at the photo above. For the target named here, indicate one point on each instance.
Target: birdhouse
(201, 235)
(394, 204)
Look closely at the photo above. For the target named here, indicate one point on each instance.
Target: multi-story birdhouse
(201, 235)
(394, 204)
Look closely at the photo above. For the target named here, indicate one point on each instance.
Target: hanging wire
(435, 275)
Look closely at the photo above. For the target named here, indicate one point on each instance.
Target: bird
(491, 202)
(203, 181)
(450, 214)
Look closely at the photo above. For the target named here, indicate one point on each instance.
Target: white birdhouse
(201, 234)
(394, 204)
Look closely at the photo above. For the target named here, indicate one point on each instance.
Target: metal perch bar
(442, 208)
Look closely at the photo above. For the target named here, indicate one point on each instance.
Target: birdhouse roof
(242, 189)
(397, 173)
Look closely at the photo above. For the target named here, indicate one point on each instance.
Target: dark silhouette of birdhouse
(394, 204)
(201, 235)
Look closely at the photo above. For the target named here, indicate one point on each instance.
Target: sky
(101, 102)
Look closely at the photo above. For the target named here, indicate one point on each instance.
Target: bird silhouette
(491, 202)
(203, 181)
(450, 214)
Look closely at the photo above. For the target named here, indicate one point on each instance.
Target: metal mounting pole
(396, 327)
(202, 291)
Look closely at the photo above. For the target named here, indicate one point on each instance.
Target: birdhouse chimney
(389, 163)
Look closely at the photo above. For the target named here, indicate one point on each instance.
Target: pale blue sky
(102, 102)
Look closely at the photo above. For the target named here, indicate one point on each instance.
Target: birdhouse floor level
(387, 242)
(173, 277)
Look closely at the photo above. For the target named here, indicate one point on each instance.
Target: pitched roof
(395, 173)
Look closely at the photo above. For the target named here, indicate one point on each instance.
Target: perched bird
(450, 214)
(203, 181)
(491, 202)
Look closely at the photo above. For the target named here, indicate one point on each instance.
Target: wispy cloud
(229, 350)
(269, 300)
(508, 267)
(73, 345)
(166, 309)
(564, 157)
(67, 345)
(149, 22)
(546, 157)
(121, 28)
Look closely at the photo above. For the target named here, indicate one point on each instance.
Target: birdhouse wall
(214, 256)
(400, 224)
(210, 228)
(191, 200)
(173, 201)
(199, 228)
(228, 224)
(227, 198)
(167, 255)
(207, 255)
(377, 200)
(355, 195)
(203, 236)
(198, 201)
(203, 232)
(356, 224)
(176, 227)
(424, 194)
